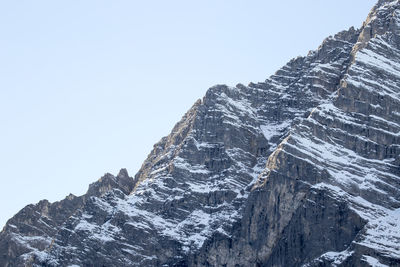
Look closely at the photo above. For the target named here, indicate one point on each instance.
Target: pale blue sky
(87, 87)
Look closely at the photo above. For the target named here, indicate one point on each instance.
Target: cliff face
(299, 170)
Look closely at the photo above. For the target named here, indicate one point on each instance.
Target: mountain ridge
(249, 168)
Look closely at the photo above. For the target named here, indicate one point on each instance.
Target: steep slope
(302, 169)
(330, 194)
(33, 228)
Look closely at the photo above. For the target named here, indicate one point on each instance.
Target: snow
(336, 257)
(372, 261)
(241, 105)
(341, 163)
(86, 216)
(271, 130)
(198, 224)
(104, 233)
(83, 225)
(383, 233)
(201, 145)
(156, 171)
(346, 168)
(388, 4)
(378, 61)
(181, 163)
(103, 204)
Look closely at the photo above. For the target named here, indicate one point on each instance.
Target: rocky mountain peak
(123, 173)
(385, 16)
(299, 170)
(110, 182)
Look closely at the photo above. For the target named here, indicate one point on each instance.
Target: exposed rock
(299, 170)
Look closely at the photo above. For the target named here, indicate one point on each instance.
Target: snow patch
(372, 261)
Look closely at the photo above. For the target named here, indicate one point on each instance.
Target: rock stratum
(300, 170)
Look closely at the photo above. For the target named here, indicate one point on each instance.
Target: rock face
(300, 170)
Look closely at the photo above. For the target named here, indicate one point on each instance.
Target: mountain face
(300, 170)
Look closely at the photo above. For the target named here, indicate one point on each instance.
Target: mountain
(300, 170)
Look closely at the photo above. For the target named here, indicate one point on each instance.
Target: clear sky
(87, 87)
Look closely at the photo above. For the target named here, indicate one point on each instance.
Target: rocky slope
(299, 170)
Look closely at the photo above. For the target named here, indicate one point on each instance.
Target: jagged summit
(108, 182)
(299, 170)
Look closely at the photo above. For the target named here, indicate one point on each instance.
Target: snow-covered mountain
(300, 170)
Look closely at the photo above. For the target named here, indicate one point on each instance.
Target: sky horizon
(89, 87)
